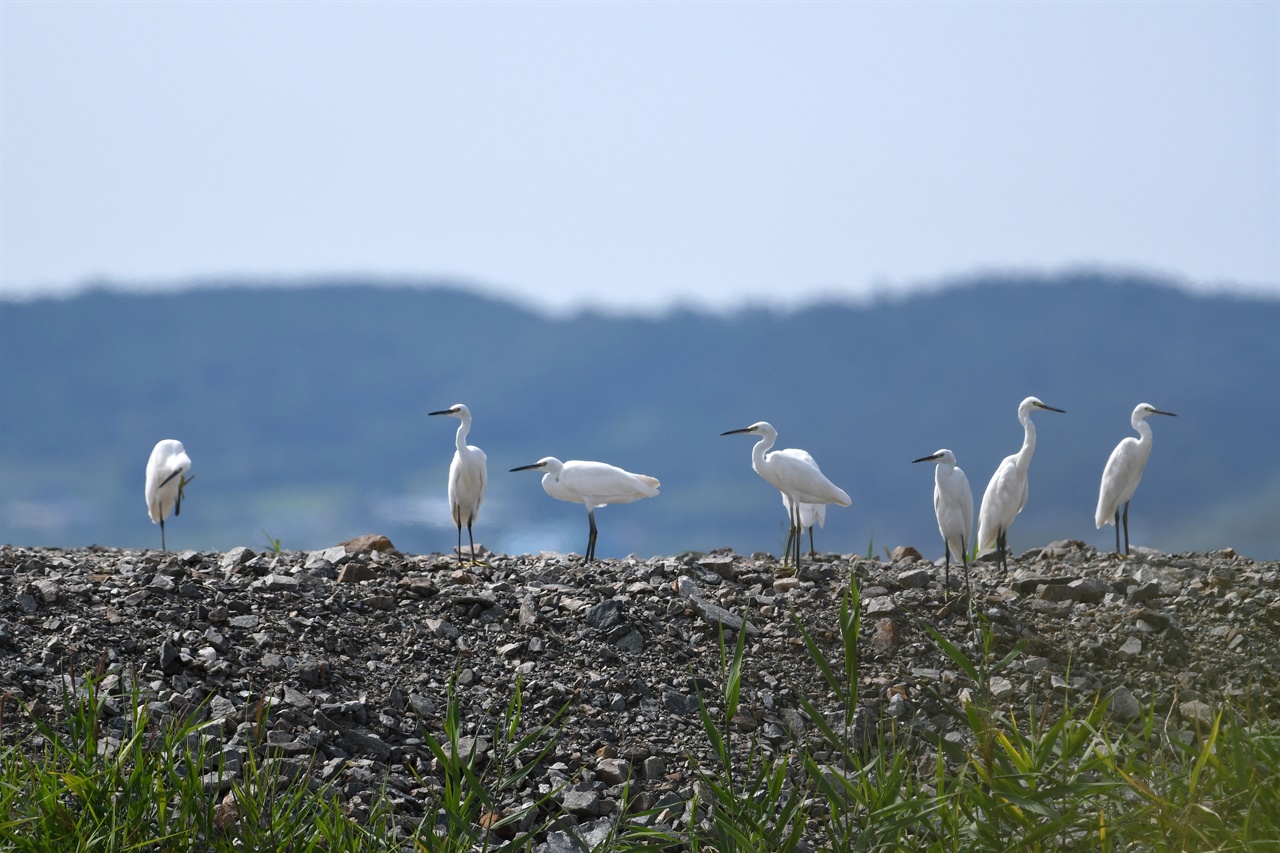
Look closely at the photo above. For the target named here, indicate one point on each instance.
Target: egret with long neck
(1124, 470)
(1006, 494)
(468, 476)
(953, 506)
(794, 473)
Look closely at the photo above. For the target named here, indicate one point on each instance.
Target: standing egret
(953, 505)
(592, 484)
(468, 475)
(809, 515)
(1006, 494)
(166, 478)
(1124, 470)
(794, 473)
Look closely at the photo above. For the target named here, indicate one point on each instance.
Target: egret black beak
(444, 412)
(527, 467)
(1158, 412)
(926, 458)
(1052, 409)
(736, 431)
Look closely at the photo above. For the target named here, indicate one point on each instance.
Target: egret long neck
(1023, 460)
(1144, 437)
(460, 437)
(760, 449)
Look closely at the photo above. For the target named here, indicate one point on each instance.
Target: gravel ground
(354, 647)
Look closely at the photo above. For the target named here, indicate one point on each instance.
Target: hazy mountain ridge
(304, 410)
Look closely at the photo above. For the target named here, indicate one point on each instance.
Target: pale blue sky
(636, 154)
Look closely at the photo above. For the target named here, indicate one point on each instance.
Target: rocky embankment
(334, 662)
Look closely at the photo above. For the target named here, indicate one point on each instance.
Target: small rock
(356, 572)
(720, 564)
(47, 590)
(170, 658)
(237, 557)
(368, 542)
(885, 639)
(915, 579)
(678, 703)
(163, 583)
(881, 605)
(581, 803)
(1124, 707)
(1089, 590)
(612, 771)
(604, 615)
(1196, 711)
(1143, 593)
(278, 583)
(311, 672)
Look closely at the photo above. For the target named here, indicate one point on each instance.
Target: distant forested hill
(304, 411)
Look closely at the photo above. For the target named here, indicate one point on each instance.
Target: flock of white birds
(806, 491)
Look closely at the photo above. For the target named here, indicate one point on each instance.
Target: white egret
(953, 505)
(468, 475)
(166, 478)
(792, 472)
(810, 514)
(592, 484)
(1006, 494)
(1124, 470)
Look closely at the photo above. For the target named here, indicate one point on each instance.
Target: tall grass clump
(146, 785)
(1052, 775)
(746, 803)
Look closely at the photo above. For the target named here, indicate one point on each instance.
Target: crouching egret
(592, 484)
(809, 515)
(166, 478)
(1124, 470)
(953, 505)
(468, 475)
(1006, 494)
(795, 474)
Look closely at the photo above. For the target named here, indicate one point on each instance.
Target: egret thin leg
(470, 541)
(813, 552)
(1126, 528)
(795, 526)
(946, 569)
(163, 547)
(591, 539)
(1117, 530)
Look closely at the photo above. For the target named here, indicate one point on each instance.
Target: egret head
(457, 410)
(1144, 409)
(944, 455)
(1031, 403)
(758, 428)
(550, 464)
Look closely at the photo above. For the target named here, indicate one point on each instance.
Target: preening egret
(166, 478)
(953, 504)
(1124, 470)
(1006, 494)
(809, 515)
(592, 484)
(792, 472)
(468, 475)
